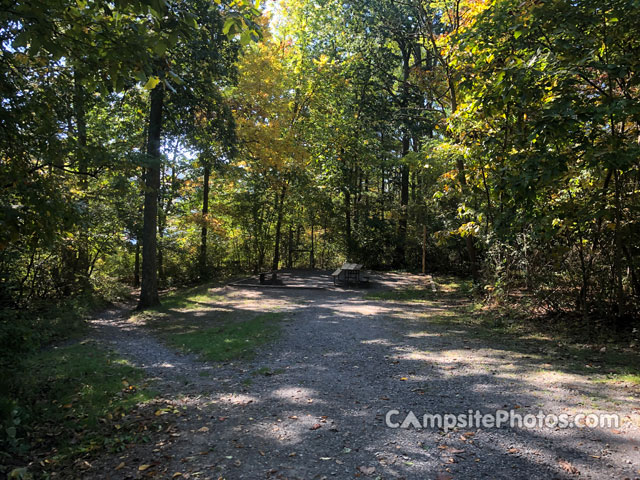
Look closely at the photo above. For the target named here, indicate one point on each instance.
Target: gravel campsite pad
(312, 404)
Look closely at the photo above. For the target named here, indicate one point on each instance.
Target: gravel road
(313, 404)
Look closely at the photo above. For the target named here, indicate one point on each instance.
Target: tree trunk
(136, 266)
(404, 202)
(312, 260)
(617, 250)
(462, 178)
(149, 290)
(82, 263)
(204, 274)
(290, 247)
(276, 251)
(347, 223)
(399, 254)
(424, 249)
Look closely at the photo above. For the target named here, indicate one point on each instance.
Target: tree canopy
(169, 142)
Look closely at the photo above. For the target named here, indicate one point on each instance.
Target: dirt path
(340, 365)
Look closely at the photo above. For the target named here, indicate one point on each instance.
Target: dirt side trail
(312, 405)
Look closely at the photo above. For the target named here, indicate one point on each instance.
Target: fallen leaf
(203, 429)
(315, 427)
(176, 475)
(567, 467)
(142, 468)
(367, 470)
(513, 450)
(404, 379)
(120, 466)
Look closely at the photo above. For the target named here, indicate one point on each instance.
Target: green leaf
(22, 40)
(176, 77)
(245, 38)
(159, 48)
(141, 76)
(229, 22)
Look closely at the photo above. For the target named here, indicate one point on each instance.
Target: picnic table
(348, 273)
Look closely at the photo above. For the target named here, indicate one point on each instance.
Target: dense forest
(161, 143)
(480, 158)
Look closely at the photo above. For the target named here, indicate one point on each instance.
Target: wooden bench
(350, 273)
(336, 275)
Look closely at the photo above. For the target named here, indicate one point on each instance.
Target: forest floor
(311, 403)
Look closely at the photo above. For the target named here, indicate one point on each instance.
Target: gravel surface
(312, 405)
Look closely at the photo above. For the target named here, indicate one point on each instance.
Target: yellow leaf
(142, 468)
(120, 466)
(177, 474)
(151, 83)
(404, 379)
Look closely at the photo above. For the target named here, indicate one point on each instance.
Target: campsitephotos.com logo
(499, 419)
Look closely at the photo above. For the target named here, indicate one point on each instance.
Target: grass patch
(631, 378)
(68, 400)
(230, 340)
(557, 341)
(448, 287)
(614, 364)
(189, 299)
(412, 294)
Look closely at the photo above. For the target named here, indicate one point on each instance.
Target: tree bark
(204, 274)
(312, 259)
(404, 202)
(276, 251)
(136, 266)
(82, 264)
(290, 247)
(149, 289)
(424, 249)
(399, 259)
(347, 223)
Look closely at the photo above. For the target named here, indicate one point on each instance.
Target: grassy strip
(614, 363)
(558, 341)
(215, 332)
(230, 340)
(68, 402)
(413, 294)
(188, 298)
(449, 287)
